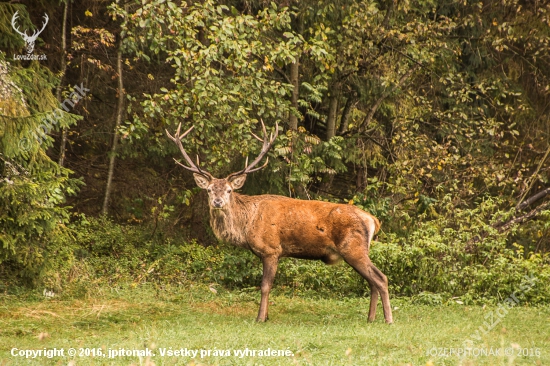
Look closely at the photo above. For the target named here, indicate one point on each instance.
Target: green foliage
(222, 80)
(440, 118)
(33, 188)
(10, 39)
(462, 256)
(432, 265)
(371, 202)
(305, 159)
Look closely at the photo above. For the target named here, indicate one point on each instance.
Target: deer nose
(217, 202)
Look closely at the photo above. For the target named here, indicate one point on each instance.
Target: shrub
(471, 260)
(431, 264)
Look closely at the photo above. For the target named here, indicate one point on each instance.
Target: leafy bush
(431, 264)
(33, 187)
(460, 256)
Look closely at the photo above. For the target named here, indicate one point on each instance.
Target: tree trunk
(391, 6)
(333, 109)
(331, 130)
(344, 121)
(360, 182)
(294, 79)
(120, 110)
(59, 87)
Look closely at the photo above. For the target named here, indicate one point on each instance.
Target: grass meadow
(300, 331)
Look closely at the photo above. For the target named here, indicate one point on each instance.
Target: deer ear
(238, 181)
(201, 180)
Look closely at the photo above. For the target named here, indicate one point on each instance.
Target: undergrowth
(430, 264)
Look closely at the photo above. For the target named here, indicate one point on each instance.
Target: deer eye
(209, 190)
(229, 190)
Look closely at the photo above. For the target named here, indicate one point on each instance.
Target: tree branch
(384, 95)
(533, 198)
(532, 179)
(282, 73)
(501, 227)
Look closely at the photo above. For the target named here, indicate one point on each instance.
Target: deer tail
(376, 225)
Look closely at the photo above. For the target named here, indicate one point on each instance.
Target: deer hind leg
(384, 294)
(378, 282)
(269, 271)
(373, 302)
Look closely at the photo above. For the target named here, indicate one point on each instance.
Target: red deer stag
(273, 227)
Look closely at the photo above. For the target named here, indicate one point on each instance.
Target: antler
(15, 27)
(25, 35)
(37, 33)
(267, 144)
(192, 167)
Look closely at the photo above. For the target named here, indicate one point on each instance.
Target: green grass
(316, 331)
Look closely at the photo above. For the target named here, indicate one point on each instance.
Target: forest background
(432, 115)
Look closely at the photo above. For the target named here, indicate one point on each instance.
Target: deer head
(28, 39)
(220, 190)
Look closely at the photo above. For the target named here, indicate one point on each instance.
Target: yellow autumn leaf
(88, 13)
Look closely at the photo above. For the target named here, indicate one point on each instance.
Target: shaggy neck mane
(230, 224)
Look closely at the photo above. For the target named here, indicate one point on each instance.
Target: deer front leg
(270, 269)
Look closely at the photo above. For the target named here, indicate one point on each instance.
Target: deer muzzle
(217, 203)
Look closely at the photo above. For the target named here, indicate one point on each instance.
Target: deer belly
(317, 250)
(326, 257)
(332, 258)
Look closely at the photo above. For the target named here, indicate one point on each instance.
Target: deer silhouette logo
(28, 39)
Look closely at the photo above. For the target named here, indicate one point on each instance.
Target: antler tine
(263, 131)
(46, 18)
(177, 133)
(259, 168)
(257, 138)
(37, 32)
(267, 143)
(185, 133)
(263, 128)
(276, 132)
(15, 27)
(192, 167)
